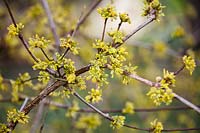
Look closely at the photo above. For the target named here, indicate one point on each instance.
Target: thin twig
(45, 54)
(51, 23)
(178, 71)
(119, 25)
(103, 114)
(148, 21)
(81, 21)
(24, 103)
(64, 53)
(104, 29)
(64, 106)
(94, 4)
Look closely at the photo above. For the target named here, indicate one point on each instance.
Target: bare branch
(92, 6)
(37, 117)
(24, 103)
(51, 23)
(186, 102)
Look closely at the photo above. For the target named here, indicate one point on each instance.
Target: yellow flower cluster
(4, 128)
(156, 126)
(17, 116)
(79, 83)
(38, 42)
(71, 111)
(95, 95)
(108, 12)
(128, 69)
(118, 122)
(59, 62)
(69, 43)
(19, 84)
(168, 79)
(189, 63)
(153, 7)
(88, 122)
(124, 17)
(3, 86)
(44, 77)
(40, 65)
(163, 93)
(178, 32)
(117, 36)
(129, 108)
(14, 31)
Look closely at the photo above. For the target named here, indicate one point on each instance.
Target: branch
(51, 23)
(83, 70)
(37, 117)
(25, 43)
(92, 6)
(64, 106)
(47, 57)
(125, 125)
(103, 114)
(148, 21)
(143, 80)
(150, 83)
(24, 103)
(37, 100)
(186, 102)
(19, 35)
(104, 29)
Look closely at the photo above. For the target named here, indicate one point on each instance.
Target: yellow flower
(69, 43)
(44, 77)
(178, 32)
(124, 17)
(156, 126)
(71, 78)
(117, 36)
(88, 122)
(129, 108)
(3, 87)
(168, 78)
(71, 111)
(108, 12)
(118, 122)
(95, 95)
(153, 6)
(4, 128)
(163, 93)
(14, 31)
(19, 84)
(189, 63)
(38, 42)
(17, 116)
(160, 48)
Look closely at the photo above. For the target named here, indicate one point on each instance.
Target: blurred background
(157, 46)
